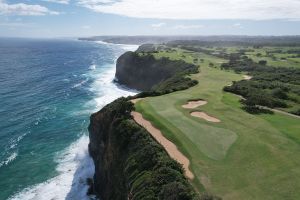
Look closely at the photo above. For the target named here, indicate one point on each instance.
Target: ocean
(48, 90)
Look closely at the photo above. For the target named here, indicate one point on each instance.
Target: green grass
(278, 61)
(242, 157)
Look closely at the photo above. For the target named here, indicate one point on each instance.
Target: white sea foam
(92, 67)
(109, 91)
(74, 167)
(127, 47)
(11, 149)
(80, 83)
(74, 164)
(15, 141)
(9, 159)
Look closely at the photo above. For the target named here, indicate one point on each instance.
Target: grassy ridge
(243, 157)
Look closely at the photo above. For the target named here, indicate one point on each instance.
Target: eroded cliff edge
(129, 163)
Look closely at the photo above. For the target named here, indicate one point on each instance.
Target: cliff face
(108, 179)
(142, 72)
(129, 163)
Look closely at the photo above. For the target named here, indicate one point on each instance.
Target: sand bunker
(194, 104)
(247, 77)
(205, 116)
(168, 145)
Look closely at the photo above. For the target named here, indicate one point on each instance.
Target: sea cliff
(144, 72)
(129, 163)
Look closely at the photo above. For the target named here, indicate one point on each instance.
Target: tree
(262, 62)
(279, 93)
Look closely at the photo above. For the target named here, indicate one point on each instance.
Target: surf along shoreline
(74, 164)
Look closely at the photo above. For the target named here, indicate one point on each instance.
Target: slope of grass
(242, 157)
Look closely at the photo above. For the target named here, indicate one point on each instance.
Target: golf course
(233, 154)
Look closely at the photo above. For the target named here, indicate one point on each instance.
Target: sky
(82, 18)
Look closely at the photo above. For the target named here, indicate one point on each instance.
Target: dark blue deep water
(48, 89)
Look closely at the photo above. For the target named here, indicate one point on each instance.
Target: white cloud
(188, 26)
(157, 26)
(198, 9)
(59, 1)
(24, 9)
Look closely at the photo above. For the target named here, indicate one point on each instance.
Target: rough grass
(242, 157)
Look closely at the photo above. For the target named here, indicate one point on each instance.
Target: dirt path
(168, 145)
(281, 111)
(194, 104)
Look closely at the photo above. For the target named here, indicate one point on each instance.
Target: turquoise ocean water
(48, 89)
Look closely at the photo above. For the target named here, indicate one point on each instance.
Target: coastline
(74, 165)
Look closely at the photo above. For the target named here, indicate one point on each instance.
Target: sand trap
(194, 104)
(205, 116)
(168, 145)
(247, 77)
(134, 101)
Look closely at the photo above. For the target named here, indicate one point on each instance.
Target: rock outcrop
(143, 71)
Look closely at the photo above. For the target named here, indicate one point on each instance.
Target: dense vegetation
(144, 72)
(273, 87)
(129, 163)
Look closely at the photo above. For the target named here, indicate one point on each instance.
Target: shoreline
(74, 163)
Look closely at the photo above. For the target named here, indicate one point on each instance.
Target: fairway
(243, 156)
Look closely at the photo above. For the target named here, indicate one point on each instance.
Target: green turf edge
(170, 133)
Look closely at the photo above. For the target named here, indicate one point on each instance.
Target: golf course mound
(194, 104)
(205, 116)
(171, 148)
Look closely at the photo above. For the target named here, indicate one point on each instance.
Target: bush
(269, 86)
(296, 112)
(279, 93)
(262, 62)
